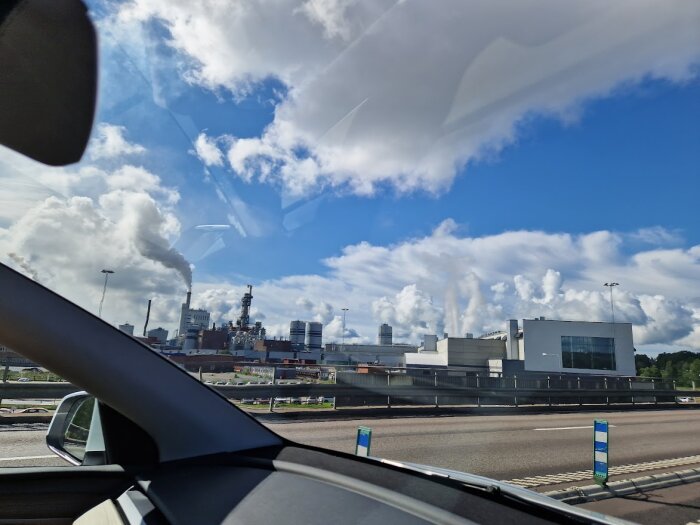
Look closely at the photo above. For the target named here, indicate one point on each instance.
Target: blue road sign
(600, 451)
(364, 440)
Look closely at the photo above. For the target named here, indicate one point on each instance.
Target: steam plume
(167, 256)
(24, 264)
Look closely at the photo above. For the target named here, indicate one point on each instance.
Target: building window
(593, 353)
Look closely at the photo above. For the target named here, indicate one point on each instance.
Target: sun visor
(48, 79)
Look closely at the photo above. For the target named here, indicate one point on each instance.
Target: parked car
(24, 379)
(32, 410)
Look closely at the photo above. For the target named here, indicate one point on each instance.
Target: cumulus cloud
(446, 281)
(208, 151)
(375, 96)
(411, 312)
(109, 142)
(106, 213)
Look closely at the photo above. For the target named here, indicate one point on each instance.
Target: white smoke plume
(24, 264)
(151, 244)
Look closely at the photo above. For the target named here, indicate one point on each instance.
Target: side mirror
(48, 72)
(75, 433)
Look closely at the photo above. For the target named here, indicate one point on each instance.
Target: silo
(297, 331)
(385, 335)
(314, 336)
(190, 343)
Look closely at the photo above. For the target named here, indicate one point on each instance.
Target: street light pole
(345, 310)
(104, 290)
(612, 285)
(612, 305)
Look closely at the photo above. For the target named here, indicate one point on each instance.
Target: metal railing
(436, 388)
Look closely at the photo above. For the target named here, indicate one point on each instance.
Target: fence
(431, 387)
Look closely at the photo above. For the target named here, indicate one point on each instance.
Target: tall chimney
(148, 314)
(189, 296)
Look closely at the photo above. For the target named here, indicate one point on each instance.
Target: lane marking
(18, 458)
(585, 475)
(566, 428)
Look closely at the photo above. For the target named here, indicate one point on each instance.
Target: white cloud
(411, 311)
(405, 94)
(460, 284)
(109, 142)
(208, 150)
(81, 219)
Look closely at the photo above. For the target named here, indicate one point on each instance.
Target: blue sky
(630, 161)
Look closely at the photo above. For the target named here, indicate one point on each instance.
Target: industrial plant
(534, 346)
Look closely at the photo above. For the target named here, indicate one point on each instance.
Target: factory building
(127, 328)
(161, 334)
(242, 336)
(349, 354)
(214, 339)
(540, 346)
(191, 318)
(384, 337)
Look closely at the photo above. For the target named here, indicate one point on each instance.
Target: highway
(498, 446)
(512, 446)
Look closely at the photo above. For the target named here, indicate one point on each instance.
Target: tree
(650, 371)
(642, 361)
(669, 371)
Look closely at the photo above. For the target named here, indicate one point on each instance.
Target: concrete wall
(394, 358)
(471, 352)
(544, 337)
(426, 359)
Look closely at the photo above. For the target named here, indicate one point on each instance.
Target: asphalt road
(501, 447)
(25, 446)
(513, 446)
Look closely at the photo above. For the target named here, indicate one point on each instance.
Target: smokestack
(189, 296)
(148, 314)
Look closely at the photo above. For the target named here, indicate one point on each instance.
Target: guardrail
(481, 393)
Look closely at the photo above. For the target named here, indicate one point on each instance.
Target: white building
(457, 351)
(191, 318)
(558, 347)
(577, 347)
(348, 354)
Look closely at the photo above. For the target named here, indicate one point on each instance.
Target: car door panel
(56, 495)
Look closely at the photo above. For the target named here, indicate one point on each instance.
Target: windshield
(471, 228)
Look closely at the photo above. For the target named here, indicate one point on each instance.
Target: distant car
(24, 380)
(686, 399)
(220, 383)
(5, 410)
(33, 410)
(248, 401)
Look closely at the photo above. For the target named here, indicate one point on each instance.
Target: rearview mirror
(75, 433)
(48, 78)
